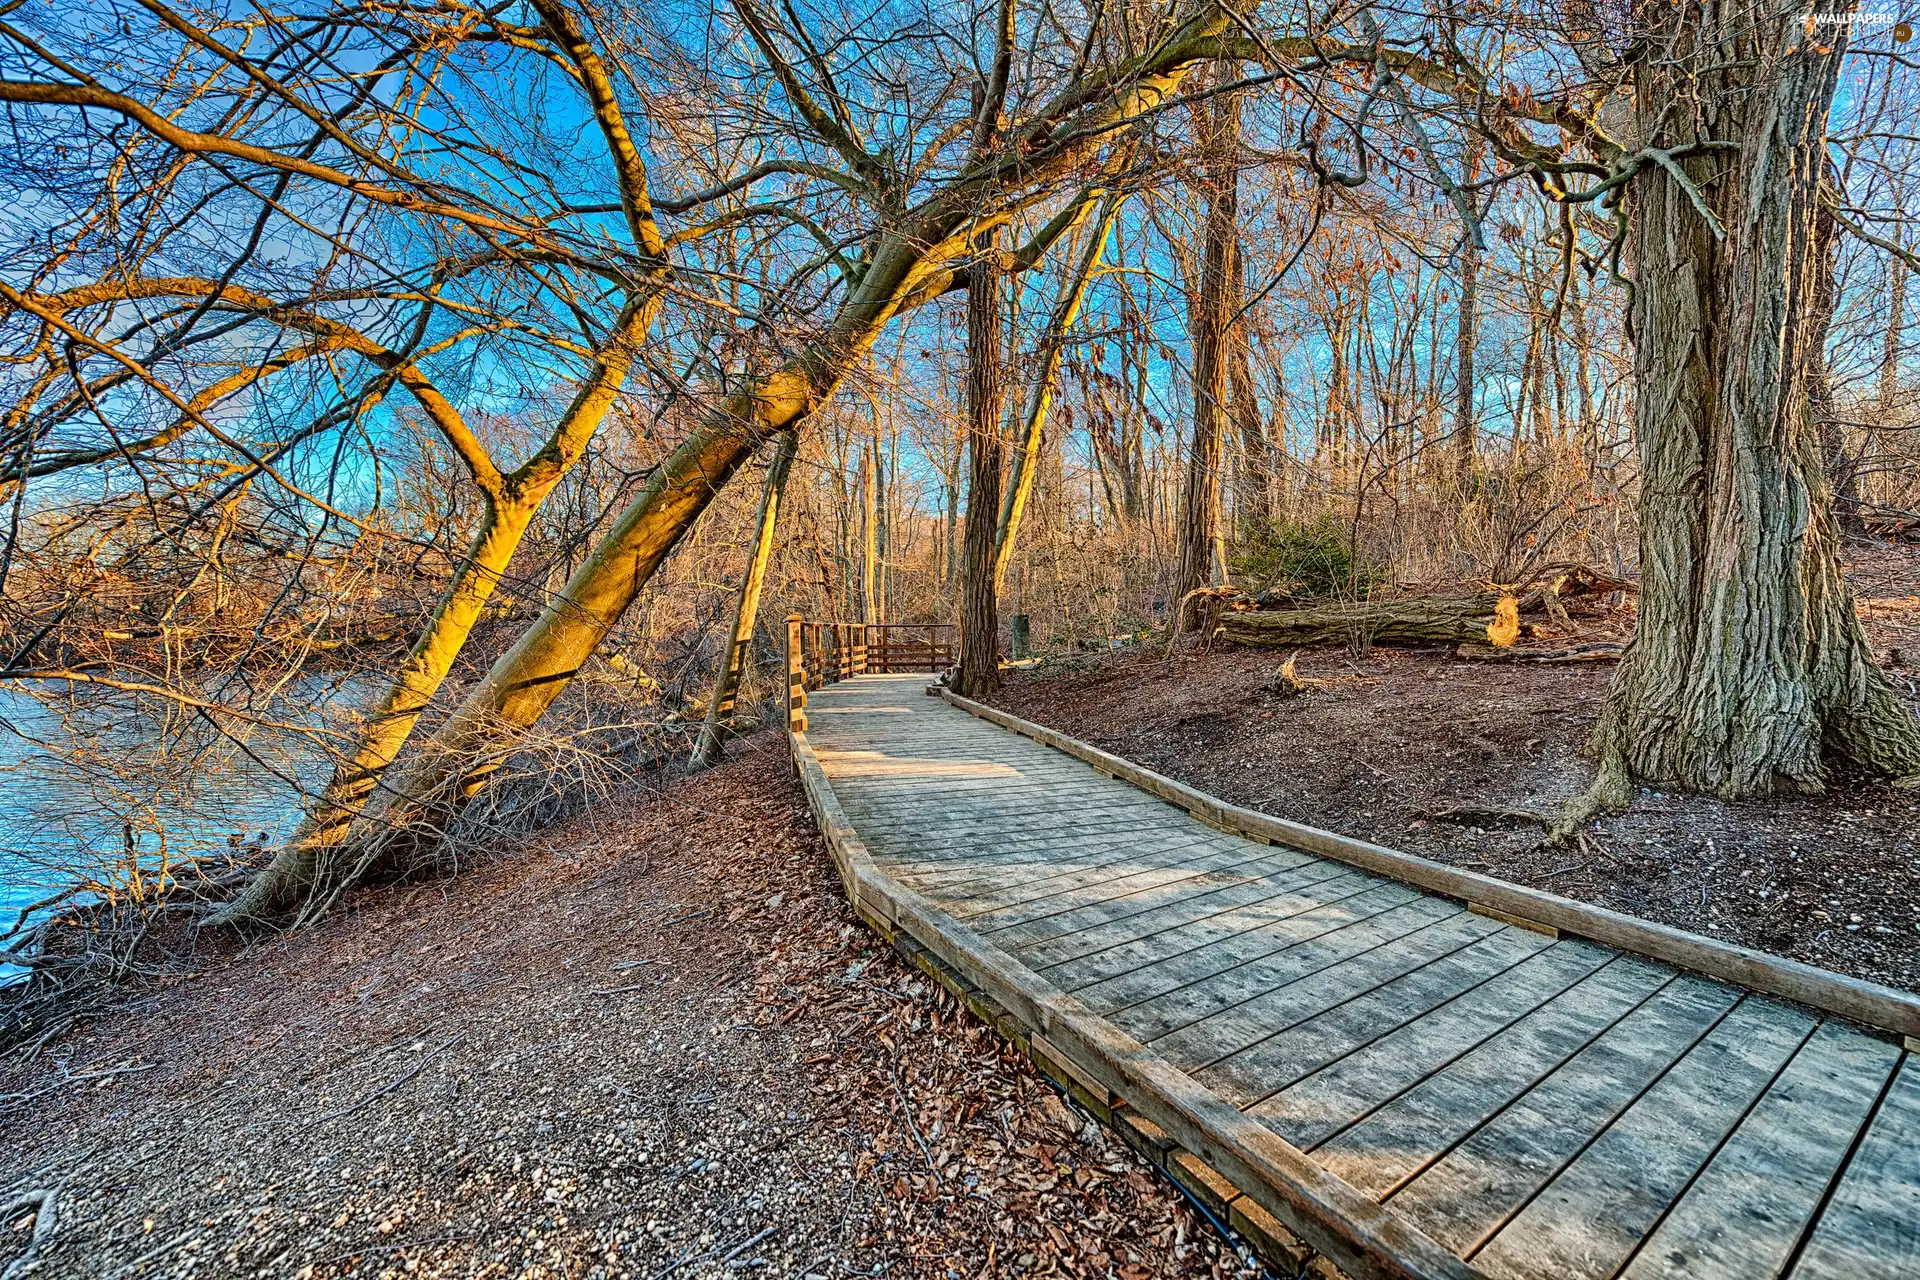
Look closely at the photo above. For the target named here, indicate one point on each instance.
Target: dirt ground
(1394, 740)
(658, 1044)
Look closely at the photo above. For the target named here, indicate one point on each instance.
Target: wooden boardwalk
(1414, 1086)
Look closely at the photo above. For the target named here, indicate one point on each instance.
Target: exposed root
(45, 1222)
(1612, 791)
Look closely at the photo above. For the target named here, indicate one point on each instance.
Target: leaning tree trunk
(726, 684)
(911, 263)
(307, 858)
(1749, 669)
(979, 673)
(1045, 370)
(1212, 371)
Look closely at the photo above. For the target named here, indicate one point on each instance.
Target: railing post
(796, 675)
(876, 639)
(859, 630)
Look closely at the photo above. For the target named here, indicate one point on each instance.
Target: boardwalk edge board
(1117, 1075)
(1883, 1008)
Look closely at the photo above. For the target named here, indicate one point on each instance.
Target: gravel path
(657, 1044)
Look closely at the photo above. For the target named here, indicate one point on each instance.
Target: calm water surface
(166, 788)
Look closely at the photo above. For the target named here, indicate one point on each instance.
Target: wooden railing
(819, 653)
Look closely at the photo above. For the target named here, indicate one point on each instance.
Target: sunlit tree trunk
(870, 530)
(1466, 338)
(746, 610)
(511, 502)
(1042, 373)
(1749, 670)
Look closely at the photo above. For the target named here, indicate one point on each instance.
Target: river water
(141, 784)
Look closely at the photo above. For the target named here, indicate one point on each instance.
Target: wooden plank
(1312, 1110)
(1470, 1191)
(1065, 820)
(1872, 1225)
(1128, 895)
(1505, 974)
(1398, 1139)
(1225, 1015)
(1869, 1002)
(1379, 913)
(1127, 949)
(1043, 945)
(1589, 1219)
(1262, 875)
(1743, 1216)
(1026, 863)
(1071, 890)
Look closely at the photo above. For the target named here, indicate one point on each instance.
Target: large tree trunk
(1212, 318)
(979, 672)
(726, 684)
(1749, 669)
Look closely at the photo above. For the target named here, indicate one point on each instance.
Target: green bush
(1306, 560)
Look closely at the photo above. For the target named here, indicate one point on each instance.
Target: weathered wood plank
(1588, 1220)
(1265, 873)
(1294, 944)
(1399, 1139)
(1071, 890)
(1238, 1009)
(1466, 1195)
(1505, 975)
(1124, 950)
(1044, 943)
(1872, 1225)
(1347, 1091)
(1744, 1215)
(1008, 867)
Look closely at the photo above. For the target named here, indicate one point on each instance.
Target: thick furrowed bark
(1212, 317)
(1749, 670)
(726, 685)
(979, 673)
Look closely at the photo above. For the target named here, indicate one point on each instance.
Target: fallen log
(1417, 620)
(1597, 651)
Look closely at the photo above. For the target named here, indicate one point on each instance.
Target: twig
(906, 1109)
(745, 1245)
(385, 1089)
(45, 1219)
(682, 1261)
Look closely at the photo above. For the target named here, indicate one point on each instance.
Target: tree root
(44, 1225)
(1612, 791)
